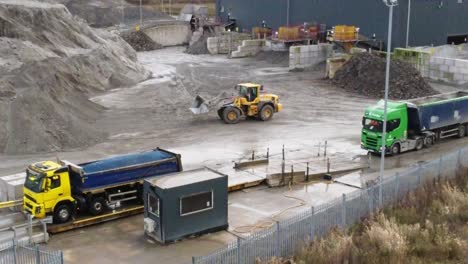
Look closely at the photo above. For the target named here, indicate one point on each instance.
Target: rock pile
(140, 41)
(364, 74)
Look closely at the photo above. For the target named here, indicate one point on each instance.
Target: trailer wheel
(395, 149)
(419, 144)
(62, 213)
(461, 131)
(97, 205)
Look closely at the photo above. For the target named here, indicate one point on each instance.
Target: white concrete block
(4, 180)
(15, 189)
(458, 77)
(461, 63)
(444, 67)
(449, 62)
(452, 69)
(465, 77)
(463, 70)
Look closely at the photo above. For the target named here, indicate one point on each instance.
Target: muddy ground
(155, 114)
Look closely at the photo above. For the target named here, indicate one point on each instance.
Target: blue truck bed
(442, 110)
(123, 169)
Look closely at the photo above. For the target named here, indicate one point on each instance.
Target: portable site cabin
(185, 204)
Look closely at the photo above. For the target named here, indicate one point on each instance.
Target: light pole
(141, 14)
(390, 4)
(408, 23)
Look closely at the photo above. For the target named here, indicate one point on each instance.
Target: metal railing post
(278, 240)
(343, 211)
(61, 257)
(38, 255)
(371, 198)
(419, 174)
(397, 185)
(459, 166)
(439, 175)
(15, 252)
(312, 226)
(238, 250)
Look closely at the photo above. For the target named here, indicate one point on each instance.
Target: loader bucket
(199, 106)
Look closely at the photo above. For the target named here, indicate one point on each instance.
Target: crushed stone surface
(364, 74)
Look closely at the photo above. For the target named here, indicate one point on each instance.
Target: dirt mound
(140, 41)
(49, 63)
(364, 74)
(199, 46)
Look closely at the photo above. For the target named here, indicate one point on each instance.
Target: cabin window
(196, 203)
(55, 182)
(393, 124)
(153, 205)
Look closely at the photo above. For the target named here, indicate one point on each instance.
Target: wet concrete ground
(155, 114)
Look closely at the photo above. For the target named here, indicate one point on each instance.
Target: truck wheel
(231, 115)
(97, 206)
(395, 149)
(62, 213)
(429, 141)
(266, 113)
(461, 131)
(419, 144)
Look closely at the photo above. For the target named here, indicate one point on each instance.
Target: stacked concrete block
(449, 70)
(308, 56)
(225, 42)
(6, 181)
(248, 48)
(15, 192)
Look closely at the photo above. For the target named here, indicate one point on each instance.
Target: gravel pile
(364, 74)
(140, 41)
(200, 46)
(50, 63)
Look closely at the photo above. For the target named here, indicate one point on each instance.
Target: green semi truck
(416, 123)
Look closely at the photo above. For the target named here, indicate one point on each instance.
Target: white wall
(308, 56)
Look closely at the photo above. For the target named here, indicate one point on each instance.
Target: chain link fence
(284, 238)
(16, 252)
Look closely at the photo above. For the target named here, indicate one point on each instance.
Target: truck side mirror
(47, 185)
(261, 87)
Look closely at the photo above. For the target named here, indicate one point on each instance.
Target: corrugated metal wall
(431, 20)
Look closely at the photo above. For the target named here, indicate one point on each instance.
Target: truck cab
(47, 190)
(397, 127)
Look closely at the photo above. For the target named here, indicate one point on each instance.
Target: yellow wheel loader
(248, 103)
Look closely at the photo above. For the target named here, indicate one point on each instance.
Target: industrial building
(432, 22)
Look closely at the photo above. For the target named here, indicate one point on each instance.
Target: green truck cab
(416, 123)
(372, 125)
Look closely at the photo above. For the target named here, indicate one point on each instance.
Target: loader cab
(249, 91)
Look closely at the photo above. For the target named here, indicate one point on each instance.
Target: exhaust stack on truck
(415, 123)
(64, 189)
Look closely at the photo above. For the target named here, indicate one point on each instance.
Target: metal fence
(284, 238)
(16, 252)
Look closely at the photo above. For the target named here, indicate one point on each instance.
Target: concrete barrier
(170, 34)
(308, 56)
(5, 182)
(448, 70)
(225, 42)
(248, 48)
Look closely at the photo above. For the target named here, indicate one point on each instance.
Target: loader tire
(266, 113)
(231, 115)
